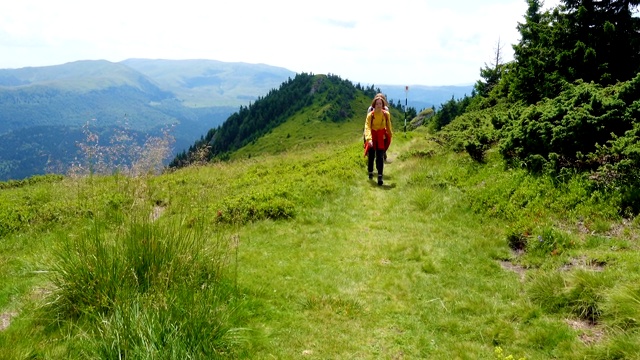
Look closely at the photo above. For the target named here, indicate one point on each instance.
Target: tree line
(568, 104)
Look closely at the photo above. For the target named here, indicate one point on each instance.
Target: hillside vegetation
(507, 226)
(298, 255)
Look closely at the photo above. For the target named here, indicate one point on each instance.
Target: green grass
(299, 255)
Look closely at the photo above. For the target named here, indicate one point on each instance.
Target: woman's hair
(381, 97)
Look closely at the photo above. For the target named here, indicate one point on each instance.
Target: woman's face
(378, 104)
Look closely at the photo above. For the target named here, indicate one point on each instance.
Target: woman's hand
(371, 144)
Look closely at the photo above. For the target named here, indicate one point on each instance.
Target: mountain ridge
(145, 96)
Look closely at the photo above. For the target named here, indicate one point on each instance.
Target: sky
(400, 42)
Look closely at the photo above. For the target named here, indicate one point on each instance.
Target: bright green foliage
(499, 353)
(587, 128)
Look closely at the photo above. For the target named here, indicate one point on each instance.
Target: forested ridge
(332, 93)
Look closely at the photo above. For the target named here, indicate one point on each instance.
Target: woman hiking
(378, 133)
(385, 108)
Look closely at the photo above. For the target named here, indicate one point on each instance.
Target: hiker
(378, 133)
(386, 108)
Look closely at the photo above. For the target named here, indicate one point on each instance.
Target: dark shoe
(380, 182)
(370, 176)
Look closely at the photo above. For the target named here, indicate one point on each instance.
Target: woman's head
(379, 99)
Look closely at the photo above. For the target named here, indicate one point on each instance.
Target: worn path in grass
(402, 271)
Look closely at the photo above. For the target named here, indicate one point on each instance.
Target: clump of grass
(152, 289)
(587, 293)
(580, 294)
(182, 323)
(547, 289)
(621, 308)
(334, 304)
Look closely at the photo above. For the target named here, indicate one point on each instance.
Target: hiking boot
(371, 176)
(380, 182)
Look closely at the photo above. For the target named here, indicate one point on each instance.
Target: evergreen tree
(534, 75)
(592, 41)
(601, 39)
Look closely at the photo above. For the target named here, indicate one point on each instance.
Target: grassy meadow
(295, 254)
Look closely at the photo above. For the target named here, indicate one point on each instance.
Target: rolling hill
(143, 97)
(43, 109)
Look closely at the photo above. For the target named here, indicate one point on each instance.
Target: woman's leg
(371, 155)
(380, 164)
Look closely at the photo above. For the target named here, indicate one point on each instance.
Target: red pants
(381, 142)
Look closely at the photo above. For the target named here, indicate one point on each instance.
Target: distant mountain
(141, 95)
(203, 83)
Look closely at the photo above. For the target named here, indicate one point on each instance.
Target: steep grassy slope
(306, 129)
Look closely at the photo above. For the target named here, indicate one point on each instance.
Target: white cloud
(425, 42)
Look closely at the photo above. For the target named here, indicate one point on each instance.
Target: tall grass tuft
(586, 294)
(180, 323)
(153, 290)
(622, 308)
(547, 289)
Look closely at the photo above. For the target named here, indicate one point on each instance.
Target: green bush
(588, 128)
(255, 206)
(550, 242)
